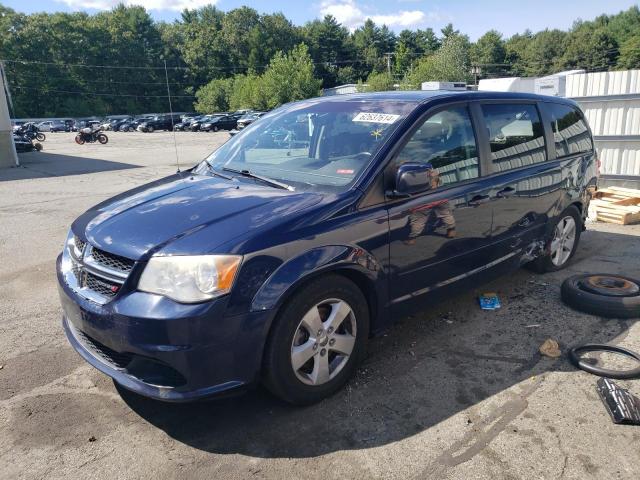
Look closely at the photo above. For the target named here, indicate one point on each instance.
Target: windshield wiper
(216, 173)
(270, 181)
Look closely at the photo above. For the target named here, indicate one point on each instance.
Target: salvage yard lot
(455, 392)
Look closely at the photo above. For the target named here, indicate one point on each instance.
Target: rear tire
(562, 246)
(302, 366)
(149, 129)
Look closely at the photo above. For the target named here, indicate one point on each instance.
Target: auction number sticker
(376, 117)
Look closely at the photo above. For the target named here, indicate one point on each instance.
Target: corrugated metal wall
(611, 102)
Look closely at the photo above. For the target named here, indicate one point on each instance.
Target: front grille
(113, 358)
(102, 287)
(112, 261)
(95, 274)
(79, 244)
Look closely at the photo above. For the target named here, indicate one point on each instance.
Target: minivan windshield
(315, 145)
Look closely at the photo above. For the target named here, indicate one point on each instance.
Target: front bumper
(162, 349)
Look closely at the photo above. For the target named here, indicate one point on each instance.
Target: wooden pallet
(617, 205)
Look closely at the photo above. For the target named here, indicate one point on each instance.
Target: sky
(470, 17)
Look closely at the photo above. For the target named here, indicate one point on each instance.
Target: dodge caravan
(275, 259)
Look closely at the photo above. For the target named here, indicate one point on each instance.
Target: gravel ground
(455, 392)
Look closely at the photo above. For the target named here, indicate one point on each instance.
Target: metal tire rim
(564, 238)
(323, 342)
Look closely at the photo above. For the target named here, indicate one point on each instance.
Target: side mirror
(412, 178)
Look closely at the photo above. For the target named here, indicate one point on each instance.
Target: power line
(98, 94)
(124, 67)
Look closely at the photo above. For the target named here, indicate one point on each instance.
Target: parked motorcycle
(30, 131)
(25, 144)
(90, 135)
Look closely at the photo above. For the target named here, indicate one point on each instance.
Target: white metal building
(340, 90)
(8, 156)
(611, 102)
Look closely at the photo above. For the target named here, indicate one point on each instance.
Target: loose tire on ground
(574, 356)
(279, 374)
(588, 293)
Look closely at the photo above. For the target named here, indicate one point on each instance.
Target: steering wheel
(362, 154)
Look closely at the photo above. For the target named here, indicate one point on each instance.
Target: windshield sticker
(376, 117)
(345, 171)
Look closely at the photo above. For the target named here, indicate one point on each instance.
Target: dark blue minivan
(277, 257)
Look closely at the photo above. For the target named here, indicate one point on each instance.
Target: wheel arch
(350, 262)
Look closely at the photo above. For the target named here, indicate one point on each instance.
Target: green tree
(489, 49)
(630, 53)
(449, 63)
(588, 48)
(290, 77)
(515, 48)
(346, 74)
(214, 96)
(542, 52)
(329, 46)
(377, 82)
(247, 92)
(371, 42)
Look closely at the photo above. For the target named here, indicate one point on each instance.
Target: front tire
(563, 244)
(149, 129)
(79, 140)
(103, 139)
(317, 341)
(40, 137)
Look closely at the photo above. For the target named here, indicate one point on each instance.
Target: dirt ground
(455, 392)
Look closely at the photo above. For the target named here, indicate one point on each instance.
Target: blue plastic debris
(489, 301)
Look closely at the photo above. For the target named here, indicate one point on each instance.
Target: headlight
(190, 279)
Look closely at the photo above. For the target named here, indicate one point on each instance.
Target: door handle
(506, 192)
(478, 200)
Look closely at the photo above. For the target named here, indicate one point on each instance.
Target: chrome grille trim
(101, 269)
(90, 278)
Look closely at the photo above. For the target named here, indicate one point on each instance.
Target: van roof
(423, 96)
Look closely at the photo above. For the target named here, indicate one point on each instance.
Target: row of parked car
(188, 122)
(217, 121)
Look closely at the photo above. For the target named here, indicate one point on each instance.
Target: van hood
(146, 220)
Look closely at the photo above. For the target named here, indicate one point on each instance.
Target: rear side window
(570, 131)
(516, 135)
(445, 141)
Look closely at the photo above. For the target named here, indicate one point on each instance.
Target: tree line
(76, 64)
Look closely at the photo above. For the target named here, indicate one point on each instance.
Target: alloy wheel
(564, 238)
(323, 342)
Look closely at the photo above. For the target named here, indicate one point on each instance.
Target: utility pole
(388, 55)
(476, 71)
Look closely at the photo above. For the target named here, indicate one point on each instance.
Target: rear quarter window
(570, 132)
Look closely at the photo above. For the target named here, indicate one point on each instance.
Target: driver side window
(446, 141)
